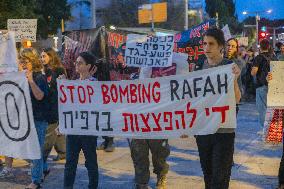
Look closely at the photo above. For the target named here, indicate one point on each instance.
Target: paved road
(256, 164)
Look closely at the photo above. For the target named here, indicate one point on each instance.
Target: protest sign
(149, 51)
(18, 137)
(8, 53)
(25, 29)
(275, 96)
(227, 33)
(243, 41)
(195, 103)
(191, 42)
(116, 42)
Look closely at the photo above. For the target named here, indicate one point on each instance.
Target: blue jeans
(37, 165)
(74, 144)
(261, 103)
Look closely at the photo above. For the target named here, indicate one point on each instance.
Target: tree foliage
(48, 12)
(226, 13)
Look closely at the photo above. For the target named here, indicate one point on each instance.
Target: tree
(15, 9)
(226, 13)
(48, 12)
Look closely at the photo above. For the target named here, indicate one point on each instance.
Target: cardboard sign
(25, 29)
(196, 103)
(149, 51)
(18, 136)
(8, 53)
(275, 96)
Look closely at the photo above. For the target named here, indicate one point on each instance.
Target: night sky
(277, 7)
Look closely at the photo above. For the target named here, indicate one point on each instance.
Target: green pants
(160, 150)
(52, 139)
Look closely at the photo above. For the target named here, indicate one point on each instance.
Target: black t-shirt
(39, 106)
(262, 62)
(52, 98)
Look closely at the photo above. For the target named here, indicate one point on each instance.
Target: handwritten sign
(275, 96)
(8, 53)
(25, 29)
(18, 137)
(196, 103)
(149, 51)
(243, 41)
(227, 33)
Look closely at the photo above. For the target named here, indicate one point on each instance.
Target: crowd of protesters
(252, 74)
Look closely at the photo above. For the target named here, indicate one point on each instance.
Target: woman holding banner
(30, 63)
(216, 150)
(52, 69)
(88, 69)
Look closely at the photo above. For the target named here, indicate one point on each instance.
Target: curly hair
(32, 55)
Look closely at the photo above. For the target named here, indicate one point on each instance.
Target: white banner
(195, 103)
(25, 29)
(275, 96)
(8, 53)
(149, 51)
(18, 137)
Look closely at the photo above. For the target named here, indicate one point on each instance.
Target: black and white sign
(25, 29)
(149, 51)
(18, 137)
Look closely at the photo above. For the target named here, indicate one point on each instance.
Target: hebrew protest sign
(191, 42)
(18, 137)
(196, 103)
(25, 29)
(149, 51)
(275, 96)
(8, 53)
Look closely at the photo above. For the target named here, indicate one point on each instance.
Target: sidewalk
(256, 165)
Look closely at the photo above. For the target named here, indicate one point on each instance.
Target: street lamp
(257, 18)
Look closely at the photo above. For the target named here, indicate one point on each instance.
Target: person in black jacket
(53, 69)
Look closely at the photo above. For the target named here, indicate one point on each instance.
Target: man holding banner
(216, 150)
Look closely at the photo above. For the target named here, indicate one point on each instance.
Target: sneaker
(110, 147)
(102, 146)
(141, 186)
(161, 182)
(6, 173)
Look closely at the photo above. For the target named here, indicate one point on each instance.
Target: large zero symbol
(14, 115)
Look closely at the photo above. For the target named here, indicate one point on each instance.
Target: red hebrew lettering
(64, 99)
(223, 110)
(191, 111)
(170, 114)
(145, 121)
(181, 113)
(207, 111)
(157, 120)
(136, 122)
(106, 97)
(125, 115)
